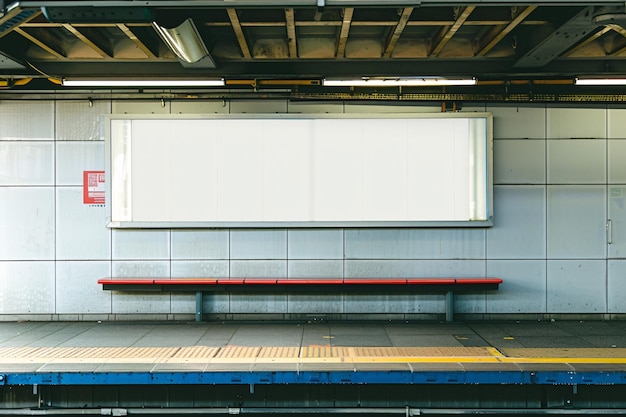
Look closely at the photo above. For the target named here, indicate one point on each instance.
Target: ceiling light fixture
(397, 81)
(111, 82)
(600, 81)
(185, 41)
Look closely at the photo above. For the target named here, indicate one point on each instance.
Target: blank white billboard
(295, 170)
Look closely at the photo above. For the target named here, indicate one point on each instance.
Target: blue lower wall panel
(315, 377)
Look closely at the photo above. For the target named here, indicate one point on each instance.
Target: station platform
(537, 365)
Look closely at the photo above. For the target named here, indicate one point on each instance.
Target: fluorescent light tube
(397, 81)
(142, 83)
(600, 81)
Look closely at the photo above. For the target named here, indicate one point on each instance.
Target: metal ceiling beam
(589, 40)
(42, 44)
(561, 40)
(290, 22)
(393, 39)
(345, 30)
(448, 32)
(86, 40)
(241, 38)
(131, 35)
(493, 38)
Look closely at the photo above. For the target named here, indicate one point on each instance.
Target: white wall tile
(444, 268)
(258, 268)
(415, 243)
(81, 119)
(616, 124)
(200, 244)
(140, 303)
(17, 116)
(576, 123)
(81, 231)
(616, 286)
(519, 161)
(617, 156)
(576, 286)
(258, 106)
(258, 303)
(155, 106)
(394, 303)
(199, 269)
(77, 288)
(315, 269)
(523, 289)
(315, 303)
(576, 221)
(27, 223)
(26, 163)
(141, 269)
(27, 288)
(258, 244)
(141, 244)
(578, 161)
(315, 244)
(519, 225)
(518, 122)
(73, 158)
(200, 106)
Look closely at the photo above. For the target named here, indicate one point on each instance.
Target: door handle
(609, 231)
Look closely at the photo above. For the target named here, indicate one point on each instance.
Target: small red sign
(93, 187)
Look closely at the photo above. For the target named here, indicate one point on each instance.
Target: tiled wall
(559, 174)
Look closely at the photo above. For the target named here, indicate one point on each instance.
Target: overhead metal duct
(185, 41)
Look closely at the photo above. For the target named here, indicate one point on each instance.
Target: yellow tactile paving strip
(308, 354)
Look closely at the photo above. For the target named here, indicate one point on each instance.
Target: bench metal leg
(198, 305)
(450, 306)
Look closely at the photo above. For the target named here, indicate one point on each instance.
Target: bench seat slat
(306, 281)
(375, 281)
(186, 281)
(430, 281)
(127, 281)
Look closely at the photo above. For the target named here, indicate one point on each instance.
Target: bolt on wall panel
(576, 286)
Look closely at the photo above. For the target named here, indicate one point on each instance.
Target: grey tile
(258, 268)
(81, 232)
(27, 287)
(141, 244)
(520, 161)
(570, 122)
(200, 244)
(77, 290)
(577, 161)
(576, 286)
(518, 121)
(519, 230)
(28, 218)
(315, 269)
(523, 289)
(81, 120)
(415, 243)
(576, 221)
(258, 244)
(315, 244)
(26, 163)
(16, 120)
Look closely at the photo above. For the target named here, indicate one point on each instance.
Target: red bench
(449, 286)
